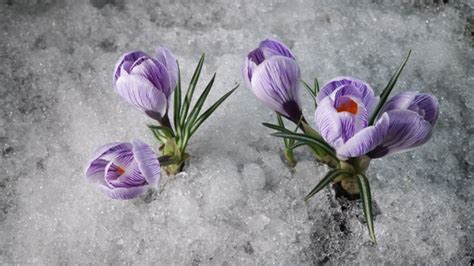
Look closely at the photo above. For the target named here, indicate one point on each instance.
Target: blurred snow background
(237, 203)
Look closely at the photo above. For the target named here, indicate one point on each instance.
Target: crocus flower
(147, 82)
(124, 170)
(272, 74)
(345, 105)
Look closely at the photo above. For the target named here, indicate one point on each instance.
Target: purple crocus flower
(344, 108)
(272, 74)
(124, 170)
(147, 82)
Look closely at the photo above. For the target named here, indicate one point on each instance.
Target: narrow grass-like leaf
(159, 135)
(281, 124)
(366, 197)
(316, 86)
(309, 140)
(388, 89)
(210, 110)
(310, 91)
(296, 145)
(200, 102)
(276, 127)
(177, 103)
(164, 130)
(190, 92)
(330, 176)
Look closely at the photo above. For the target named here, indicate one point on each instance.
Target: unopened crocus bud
(147, 82)
(272, 74)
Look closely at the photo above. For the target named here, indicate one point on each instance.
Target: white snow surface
(236, 203)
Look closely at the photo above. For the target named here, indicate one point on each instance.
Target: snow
(237, 203)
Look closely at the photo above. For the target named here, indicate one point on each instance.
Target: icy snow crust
(237, 203)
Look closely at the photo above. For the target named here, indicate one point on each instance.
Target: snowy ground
(237, 203)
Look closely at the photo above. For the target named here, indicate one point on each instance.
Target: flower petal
(95, 167)
(275, 83)
(147, 162)
(253, 59)
(366, 93)
(126, 61)
(328, 122)
(365, 140)
(117, 176)
(123, 193)
(407, 130)
(141, 93)
(425, 104)
(155, 72)
(337, 127)
(166, 57)
(271, 47)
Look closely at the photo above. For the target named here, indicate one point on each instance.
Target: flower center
(120, 170)
(348, 106)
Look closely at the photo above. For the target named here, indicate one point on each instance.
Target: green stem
(290, 159)
(349, 184)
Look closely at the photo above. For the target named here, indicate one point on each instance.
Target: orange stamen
(349, 106)
(121, 170)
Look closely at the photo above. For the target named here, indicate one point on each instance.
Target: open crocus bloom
(147, 82)
(272, 74)
(345, 105)
(124, 170)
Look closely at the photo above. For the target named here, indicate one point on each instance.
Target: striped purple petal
(407, 130)
(275, 83)
(155, 72)
(339, 119)
(425, 104)
(147, 161)
(124, 170)
(365, 140)
(141, 93)
(166, 57)
(95, 167)
(126, 61)
(253, 59)
(272, 47)
(357, 86)
(117, 176)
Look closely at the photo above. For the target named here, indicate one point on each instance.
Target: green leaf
(308, 88)
(388, 89)
(281, 124)
(330, 176)
(296, 145)
(160, 136)
(316, 87)
(190, 92)
(310, 91)
(311, 132)
(177, 103)
(309, 140)
(200, 102)
(367, 204)
(210, 110)
(163, 130)
(276, 127)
